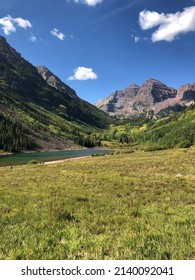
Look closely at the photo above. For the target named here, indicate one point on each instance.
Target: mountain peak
(153, 81)
(54, 81)
(132, 86)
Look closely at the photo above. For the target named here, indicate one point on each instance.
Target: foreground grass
(130, 206)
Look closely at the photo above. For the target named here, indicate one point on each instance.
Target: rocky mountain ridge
(54, 81)
(7, 52)
(150, 99)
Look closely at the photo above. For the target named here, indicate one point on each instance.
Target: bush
(33, 161)
(98, 155)
(126, 151)
(155, 148)
(184, 144)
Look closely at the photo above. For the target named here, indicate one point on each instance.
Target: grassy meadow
(139, 205)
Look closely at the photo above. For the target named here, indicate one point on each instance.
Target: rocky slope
(151, 98)
(54, 81)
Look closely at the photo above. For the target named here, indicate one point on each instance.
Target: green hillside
(38, 110)
(175, 131)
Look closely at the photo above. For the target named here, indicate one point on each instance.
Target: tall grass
(126, 206)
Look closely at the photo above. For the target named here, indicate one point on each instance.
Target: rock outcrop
(120, 101)
(54, 81)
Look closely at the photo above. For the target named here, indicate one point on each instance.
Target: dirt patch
(63, 160)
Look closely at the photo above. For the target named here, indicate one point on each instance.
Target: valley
(134, 201)
(40, 112)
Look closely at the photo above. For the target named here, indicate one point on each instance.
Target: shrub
(33, 161)
(184, 144)
(127, 151)
(155, 148)
(98, 155)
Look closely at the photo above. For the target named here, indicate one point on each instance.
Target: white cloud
(8, 24)
(136, 39)
(33, 38)
(22, 22)
(55, 32)
(170, 25)
(82, 74)
(89, 2)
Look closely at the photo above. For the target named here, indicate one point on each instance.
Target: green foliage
(33, 161)
(175, 131)
(98, 155)
(184, 144)
(12, 137)
(32, 118)
(89, 141)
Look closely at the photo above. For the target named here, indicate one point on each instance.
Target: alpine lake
(24, 158)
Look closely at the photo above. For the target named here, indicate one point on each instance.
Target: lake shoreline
(36, 151)
(50, 151)
(52, 156)
(63, 160)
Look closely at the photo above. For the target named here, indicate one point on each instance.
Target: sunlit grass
(127, 206)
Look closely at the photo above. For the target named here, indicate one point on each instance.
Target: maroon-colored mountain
(149, 99)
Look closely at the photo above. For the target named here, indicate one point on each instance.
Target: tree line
(12, 137)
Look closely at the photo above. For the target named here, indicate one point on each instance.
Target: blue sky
(99, 46)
